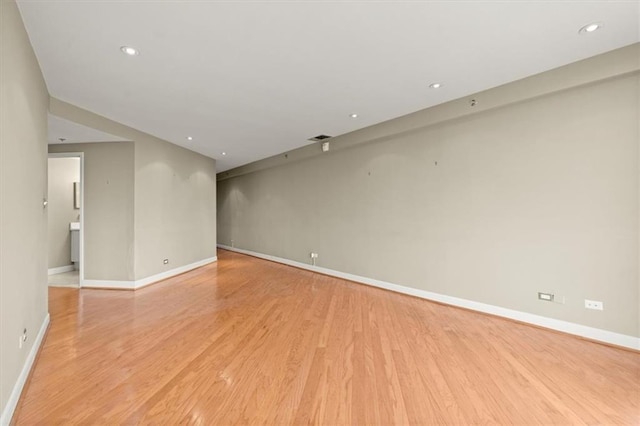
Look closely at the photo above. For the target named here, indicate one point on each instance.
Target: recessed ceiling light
(189, 138)
(590, 28)
(353, 115)
(224, 153)
(435, 85)
(128, 50)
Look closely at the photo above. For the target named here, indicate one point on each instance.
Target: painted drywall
(23, 186)
(174, 196)
(63, 172)
(493, 206)
(175, 207)
(613, 64)
(108, 203)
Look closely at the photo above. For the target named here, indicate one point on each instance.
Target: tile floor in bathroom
(65, 279)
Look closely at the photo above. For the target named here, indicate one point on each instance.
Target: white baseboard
(167, 274)
(143, 282)
(12, 403)
(551, 323)
(60, 269)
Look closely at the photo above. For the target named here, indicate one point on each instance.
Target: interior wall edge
(592, 333)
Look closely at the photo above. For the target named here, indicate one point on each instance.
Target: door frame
(79, 155)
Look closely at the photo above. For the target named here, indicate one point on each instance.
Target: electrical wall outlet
(547, 297)
(314, 255)
(593, 304)
(166, 261)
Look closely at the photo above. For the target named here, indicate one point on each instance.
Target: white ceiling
(257, 78)
(75, 133)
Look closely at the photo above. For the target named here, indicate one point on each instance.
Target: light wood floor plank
(248, 341)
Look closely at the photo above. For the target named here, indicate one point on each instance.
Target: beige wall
(492, 206)
(174, 196)
(175, 213)
(63, 172)
(108, 204)
(23, 185)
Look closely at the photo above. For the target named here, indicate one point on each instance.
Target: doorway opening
(65, 219)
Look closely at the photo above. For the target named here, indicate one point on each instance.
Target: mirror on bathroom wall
(76, 195)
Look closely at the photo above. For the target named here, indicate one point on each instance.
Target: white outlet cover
(593, 304)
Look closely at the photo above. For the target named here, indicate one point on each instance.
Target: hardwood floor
(249, 341)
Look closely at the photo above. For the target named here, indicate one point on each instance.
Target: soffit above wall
(75, 133)
(619, 63)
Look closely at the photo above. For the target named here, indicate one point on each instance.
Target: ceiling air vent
(319, 138)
